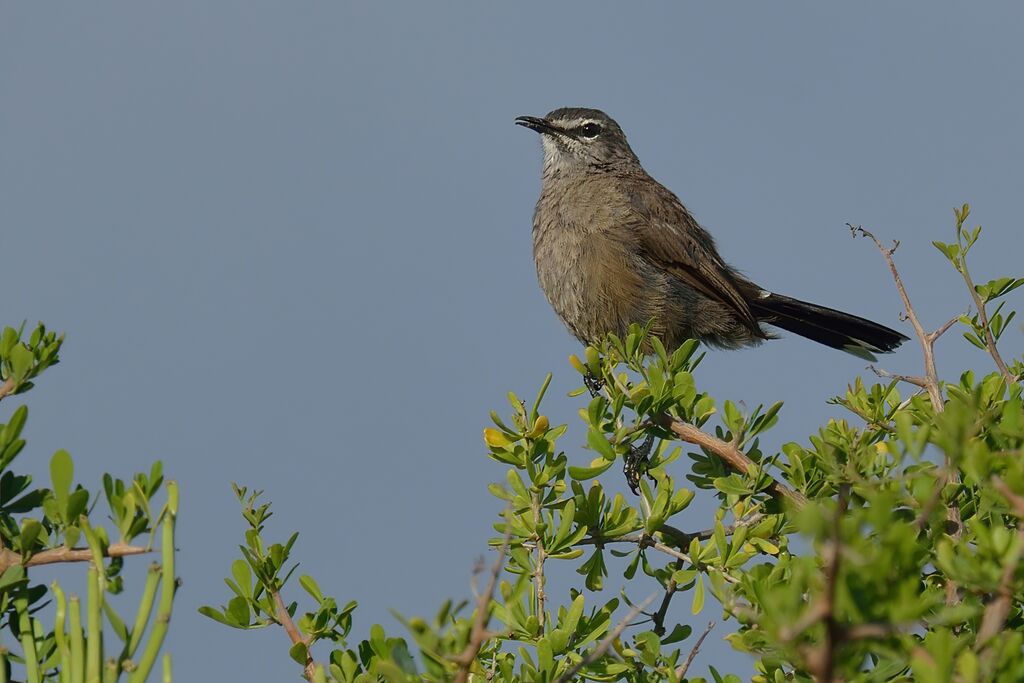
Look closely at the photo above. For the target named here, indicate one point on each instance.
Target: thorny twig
(681, 671)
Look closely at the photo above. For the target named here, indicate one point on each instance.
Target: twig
(916, 380)
(9, 558)
(927, 341)
(607, 641)
(681, 671)
(931, 380)
(478, 633)
(285, 620)
(732, 456)
(934, 336)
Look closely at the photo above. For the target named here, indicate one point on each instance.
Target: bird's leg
(636, 462)
(593, 384)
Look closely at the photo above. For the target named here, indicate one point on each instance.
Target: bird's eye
(590, 130)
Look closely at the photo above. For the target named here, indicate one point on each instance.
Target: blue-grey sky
(290, 242)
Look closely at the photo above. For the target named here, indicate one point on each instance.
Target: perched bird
(615, 247)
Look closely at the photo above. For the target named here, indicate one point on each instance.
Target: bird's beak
(538, 124)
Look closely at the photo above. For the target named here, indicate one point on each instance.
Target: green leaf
(216, 615)
(732, 417)
(597, 466)
(698, 597)
(311, 587)
(299, 652)
(30, 530)
(21, 358)
(243, 577)
(62, 472)
(679, 633)
(572, 616)
(238, 611)
(599, 443)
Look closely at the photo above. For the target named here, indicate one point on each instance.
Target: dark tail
(827, 326)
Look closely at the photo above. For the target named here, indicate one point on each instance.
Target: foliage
(41, 525)
(886, 546)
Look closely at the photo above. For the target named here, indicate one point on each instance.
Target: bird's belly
(595, 285)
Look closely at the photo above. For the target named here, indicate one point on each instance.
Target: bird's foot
(593, 384)
(636, 462)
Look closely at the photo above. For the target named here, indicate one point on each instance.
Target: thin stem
(538, 571)
(168, 586)
(60, 634)
(110, 670)
(681, 671)
(28, 641)
(77, 641)
(167, 677)
(94, 606)
(145, 609)
(990, 340)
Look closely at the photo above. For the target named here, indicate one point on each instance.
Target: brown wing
(674, 240)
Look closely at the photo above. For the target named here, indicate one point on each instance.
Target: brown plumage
(614, 247)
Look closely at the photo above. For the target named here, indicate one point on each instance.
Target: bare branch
(483, 614)
(927, 344)
(934, 336)
(732, 456)
(607, 641)
(930, 381)
(909, 379)
(9, 558)
(681, 671)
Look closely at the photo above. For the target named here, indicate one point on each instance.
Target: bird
(614, 247)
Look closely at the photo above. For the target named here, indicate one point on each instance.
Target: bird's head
(580, 140)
